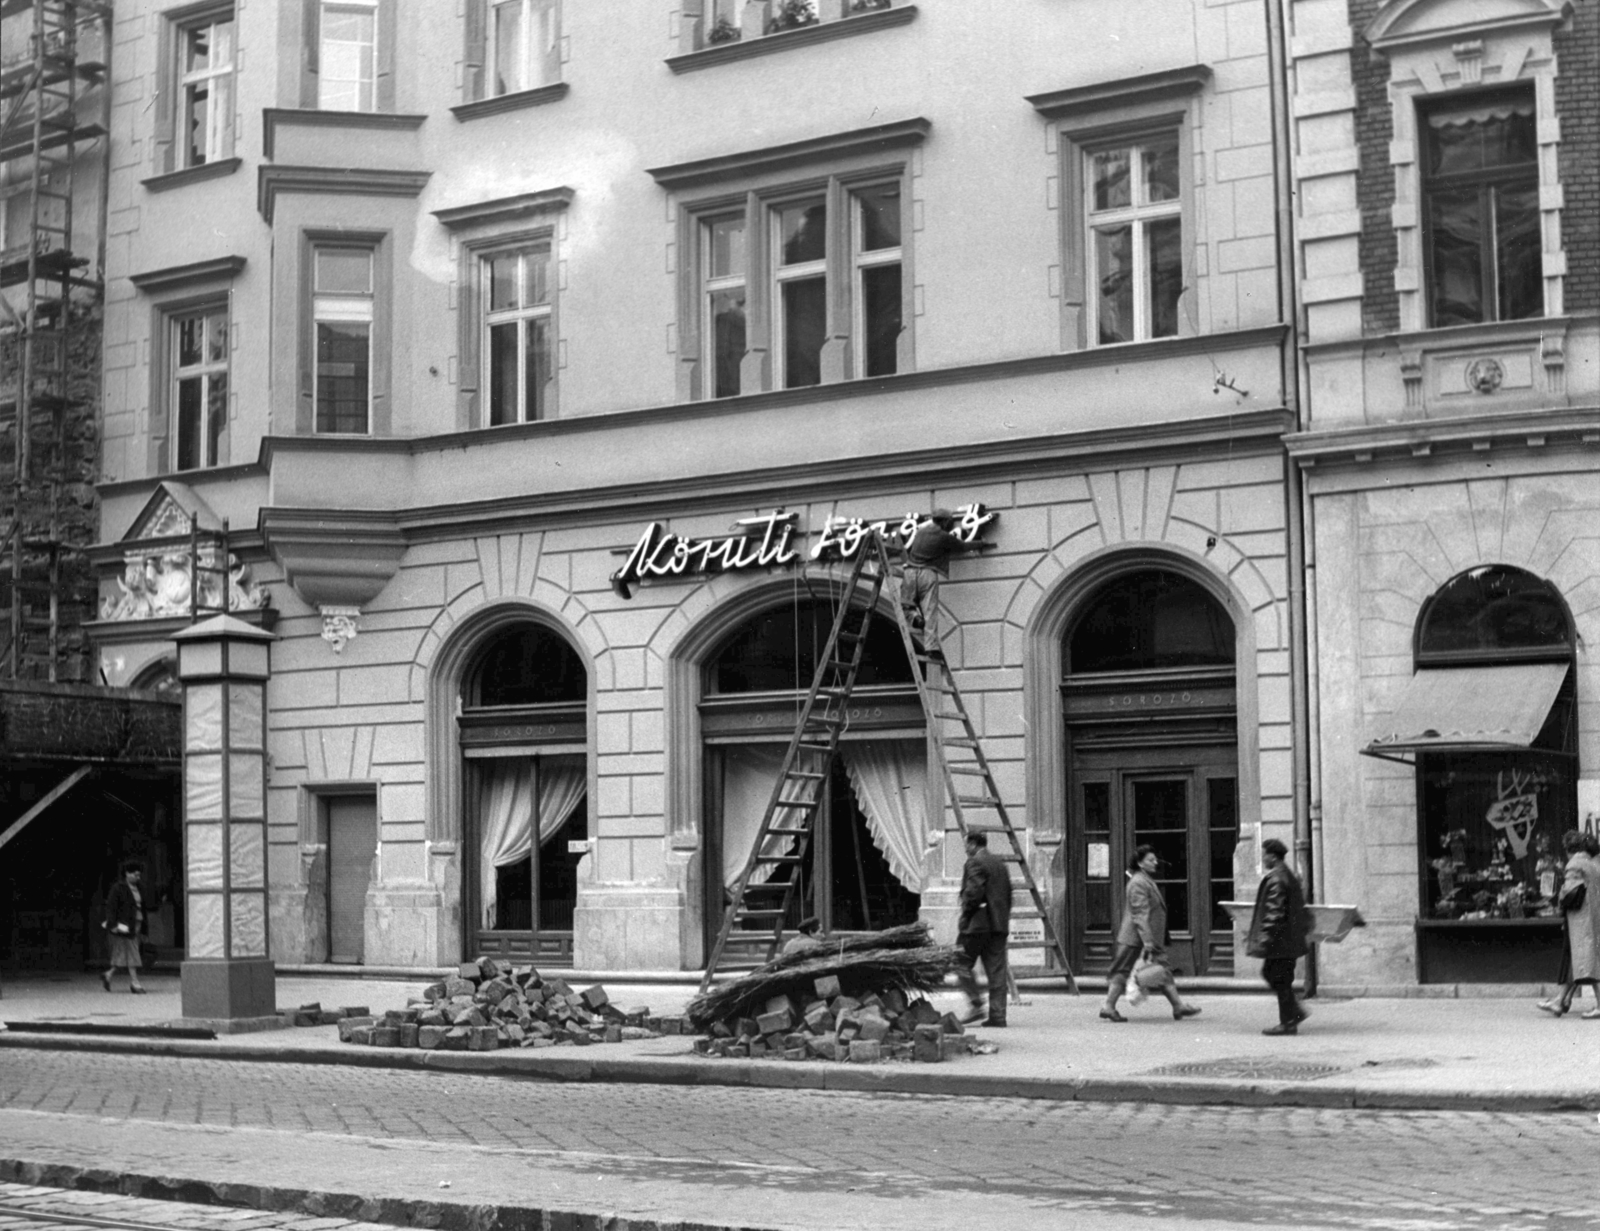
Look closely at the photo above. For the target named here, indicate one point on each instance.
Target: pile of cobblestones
(829, 1025)
(487, 1006)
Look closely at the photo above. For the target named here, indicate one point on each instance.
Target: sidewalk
(1465, 1054)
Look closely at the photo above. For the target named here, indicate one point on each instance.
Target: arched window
(1494, 613)
(777, 651)
(1148, 621)
(526, 665)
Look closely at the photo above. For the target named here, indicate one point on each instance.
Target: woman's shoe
(1552, 1007)
(137, 990)
(1111, 1015)
(1188, 1010)
(1592, 1015)
(105, 980)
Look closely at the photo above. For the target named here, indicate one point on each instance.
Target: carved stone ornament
(158, 584)
(1485, 375)
(338, 625)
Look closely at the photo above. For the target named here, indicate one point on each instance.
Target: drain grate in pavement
(1251, 1068)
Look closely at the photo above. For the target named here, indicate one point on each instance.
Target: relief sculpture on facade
(155, 585)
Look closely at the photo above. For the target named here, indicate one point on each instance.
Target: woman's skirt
(125, 952)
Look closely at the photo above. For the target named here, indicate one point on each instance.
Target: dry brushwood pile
(859, 1000)
(489, 1005)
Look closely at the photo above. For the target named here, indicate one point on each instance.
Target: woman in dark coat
(125, 924)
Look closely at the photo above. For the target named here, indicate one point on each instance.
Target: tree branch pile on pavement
(488, 1005)
(858, 999)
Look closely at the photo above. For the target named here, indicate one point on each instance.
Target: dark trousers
(991, 948)
(1279, 974)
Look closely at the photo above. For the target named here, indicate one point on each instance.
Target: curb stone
(393, 1211)
(919, 1080)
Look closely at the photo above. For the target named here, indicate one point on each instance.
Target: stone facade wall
(1577, 48)
(1381, 554)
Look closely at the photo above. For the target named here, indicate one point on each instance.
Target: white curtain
(890, 778)
(748, 774)
(514, 791)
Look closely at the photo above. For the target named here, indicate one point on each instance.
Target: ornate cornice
(1171, 84)
(274, 180)
(1409, 440)
(505, 209)
(898, 135)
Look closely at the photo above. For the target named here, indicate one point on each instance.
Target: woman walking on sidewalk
(1580, 904)
(124, 925)
(1142, 935)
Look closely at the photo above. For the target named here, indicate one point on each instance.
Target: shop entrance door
(1184, 803)
(352, 845)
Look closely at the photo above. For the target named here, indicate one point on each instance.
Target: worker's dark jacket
(932, 546)
(1278, 926)
(121, 908)
(985, 896)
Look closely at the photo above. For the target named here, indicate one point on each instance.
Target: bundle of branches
(907, 936)
(858, 972)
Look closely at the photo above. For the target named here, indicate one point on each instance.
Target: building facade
(450, 324)
(1447, 161)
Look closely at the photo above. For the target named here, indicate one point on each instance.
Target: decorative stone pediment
(173, 509)
(1408, 22)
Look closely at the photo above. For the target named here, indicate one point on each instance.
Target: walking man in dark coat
(1278, 933)
(985, 924)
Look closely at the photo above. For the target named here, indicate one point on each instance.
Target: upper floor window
(517, 323)
(833, 305)
(199, 391)
(1480, 185)
(342, 325)
(347, 63)
(523, 49)
(1134, 243)
(206, 62)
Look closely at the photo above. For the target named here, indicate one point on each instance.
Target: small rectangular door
(352, 846)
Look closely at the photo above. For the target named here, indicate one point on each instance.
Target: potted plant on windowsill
(723, 32)
(792, 15)
(869, 6)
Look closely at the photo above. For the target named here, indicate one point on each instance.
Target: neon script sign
(768, 540)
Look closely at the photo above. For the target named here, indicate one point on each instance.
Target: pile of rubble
(830, 1025)
(488, 1005)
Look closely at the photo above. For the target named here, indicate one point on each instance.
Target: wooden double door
(1183, 802)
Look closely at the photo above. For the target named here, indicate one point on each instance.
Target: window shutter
(476, 50)
(388, 20)
(166, 120)
(551, 51)
(310, 51)
(306, 409)
(469, 328)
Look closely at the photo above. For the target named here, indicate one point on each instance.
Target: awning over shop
(1469, 709)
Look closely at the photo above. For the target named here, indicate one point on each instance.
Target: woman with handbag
(125, 924)
(1579, 900)
(1142, 941)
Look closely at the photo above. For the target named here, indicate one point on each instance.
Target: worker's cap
(943, 516)
(1274, 847)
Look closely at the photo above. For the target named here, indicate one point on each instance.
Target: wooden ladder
(786, 827)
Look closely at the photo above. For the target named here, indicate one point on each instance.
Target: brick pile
(829, 1025)
(488, 1005)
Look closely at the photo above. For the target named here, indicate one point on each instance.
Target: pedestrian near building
(927, 563)
(985, 926)
(125, 924)
(1580, 905)
(1278, 933)
(1142, 936)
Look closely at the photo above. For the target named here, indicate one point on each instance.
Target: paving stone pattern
(52, 1205)
(1347, 1168)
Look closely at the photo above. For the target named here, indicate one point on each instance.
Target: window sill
(192, 175)
(789, 40)
(511, 102)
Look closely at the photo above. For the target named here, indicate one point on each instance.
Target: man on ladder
(927, 563)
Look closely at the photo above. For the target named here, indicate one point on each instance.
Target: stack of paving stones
(314, 1014)
(829, 1025)
(489, 1005)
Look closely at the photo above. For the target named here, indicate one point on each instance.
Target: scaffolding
(46, 299)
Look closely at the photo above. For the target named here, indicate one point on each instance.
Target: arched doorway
(522, 731)
(1149, 701)
(863, 870)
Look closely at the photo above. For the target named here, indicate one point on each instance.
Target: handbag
(1150, 975)
(1573, 897)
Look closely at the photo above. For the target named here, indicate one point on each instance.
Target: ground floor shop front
(553, 738)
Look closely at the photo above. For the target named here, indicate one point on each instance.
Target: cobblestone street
(786, 1150)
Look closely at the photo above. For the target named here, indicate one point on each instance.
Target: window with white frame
(205, 79)
(1480, 188)
(517, 334)
(1133, 215)
(342, 320)
(523, 50)
(198, 364)
(834, 297)
(348, 55)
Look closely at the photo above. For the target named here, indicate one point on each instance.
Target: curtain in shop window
(514, 791)
(890, 778)
(747, 777)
